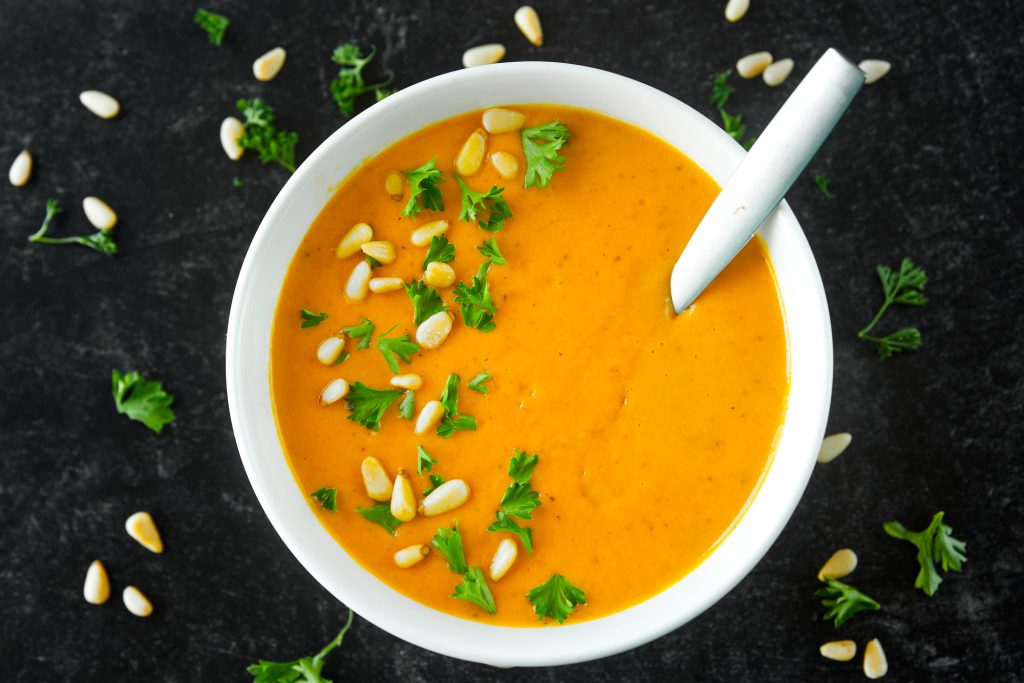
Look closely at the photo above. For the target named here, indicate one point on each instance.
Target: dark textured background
(925, 164)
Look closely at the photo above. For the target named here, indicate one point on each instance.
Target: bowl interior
(248, 353)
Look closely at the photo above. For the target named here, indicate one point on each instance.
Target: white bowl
(248, 362)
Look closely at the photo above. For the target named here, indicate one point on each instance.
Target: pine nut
(483, 54)
(500, 120)
(330, 349)
(137, 603)
(529, 23)
(753, 65)
(429, 416)
(839, 650)
(393, 185)
(505, 164)
(439, 275)
(376, 480)
(777, 72)
(269, 65)
(833, 445)
(99, 213)
(444, 498)
(231, 131)
(407, 557)
(420, 237)
(875, 663)
(97, 584)
(874, 69)
(382, 285)
(503, 558)
(358, 235)
(358, 282)
(100, 103)
(434, 330)
(381, 251)
(21, 169)
(735, 9)
(471, 156)
(142, 528)
(410, 381)
(403, 501)
(335, 391)
(842, 563)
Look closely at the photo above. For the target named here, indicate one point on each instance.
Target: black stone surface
(926, 164)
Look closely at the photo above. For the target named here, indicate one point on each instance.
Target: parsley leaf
(556, 598)
(395, 348)
(520, 467)
(475, 203)
(367, 405)
(435, 481)
(903, 287)
(491, 252)
(542, 159)
(733, 125)
(424, 462)
(311, 319)
(453, 422)
(425, 300)
(448, 542)
(935, 544)
(100, 240)
(720, 90)
(327, 497)
(843, 601)
(381, 514)
(142, 400)
(520, 500)
(505, 523)
(383, 93)
(423, 181)
(475, 301)
(477, 383)
(261, 135)
(214, 24)
(363, 332)
(349, 83)
(822, 181)
(440, 251)
(450, 395)
(407, 408)
(474, 589)
(304, 670)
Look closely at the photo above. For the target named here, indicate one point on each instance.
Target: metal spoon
(766, 173)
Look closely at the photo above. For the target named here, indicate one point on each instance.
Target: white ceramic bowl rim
(248, 345)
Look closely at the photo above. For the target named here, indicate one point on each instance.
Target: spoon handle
(766, 173)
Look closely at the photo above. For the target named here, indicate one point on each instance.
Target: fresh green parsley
(350, 83)
(491, 253)
(542, 158)
(363, 332)
(342, 357)
(439, 251)
(236, 181)
(424, 461)
(367, 406)
(214, 24)
(721, 90)
(304, 670)
(505, 523)
(394, 348)
(327, 497)
(477, 383)
(452, 421)
(381, 514)
(448, 542)
(822, 181)
(843, 601)
(100, 240)
(733, 125)
(425, 300)
(520, 467)
(435, 481)
(474, 589)
(903, 287)
(475, 301)
(383, 93)
(311, 319)
(372, 262)
(407, 408)
(935, 544)
(520, 500)
(476, 203)
(142, 400)
(261, 135)
(556, 598)
(423, 190)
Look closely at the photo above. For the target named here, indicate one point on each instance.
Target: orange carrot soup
(481, 312)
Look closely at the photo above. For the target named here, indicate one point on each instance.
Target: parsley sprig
(843, 601)
(478, 382)
(381, 514)
(327, 497)
(425, 300)
(520, 500)
(733, 125)
(367, 405)
(905, 286)
(475, 301)
(473, 588)
(363, 332)
(393, 348)
(439, 251)
(271, 144)
(423, 190)
(311, 319)
(935, 545)
(721, 90)
(556, 598)
(424, 461)
(100, 240)
(452, 421)
(407, 408)
(350, 83)
(491, 252)
(304, 670)
(448, 542)
(540, 147)
(822, 181)
(215, 25)
(142, 400)
(475, 204)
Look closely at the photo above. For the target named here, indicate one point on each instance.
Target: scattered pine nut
(833, 445)
(842, 563)
(839, 650)
(874, 69)
(97, 584)
(505, 164)
(429, 416)
(142, 528)
(498, 120)
(21, 169)
(99, 213)
(875, 663)
(444, 498)
(376, 480)
(503, 558)
(137, 603)
(471, 155)
(753, 65)
(529, 23)
(380, 250)
(330, 349)
(483, 54)
(439, 275)
(403, 500)
(335, 391)
(407, 557)
(358, 235)
(434, 330)
(393, 185)
(420, 237)
(231, 131)
(269, 64)
(410, 381)
(100, 103)
(735, 9)
(382, 285)
(358, 282)
(777, 72)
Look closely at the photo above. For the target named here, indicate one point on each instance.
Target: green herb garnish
(367, 406)
(261, 135)
(822, 181)
(720, 90)
(381, 514)
(236, 181)
(556, 598)
(349, 83)
(903, 287)
(475, 301)
(304, 670)
(474, 589)
(327, 497)
(476, 203)
(491, 252)
(425, 300)
(520, 467)
(448, 542)
(452, 421)
(407, 408)
(477, 383)
(520, 500)
(843, 601)
(311, 319)
(214, 24)
(505, 523)
(439, 251)
(733, 125)
(423, 190)
(424, 461)
(435, 481)
(394, 348)
(100, 240)
(383, 93)
(142, 400)
(935, 544)
(542, 158)
(363, 332)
